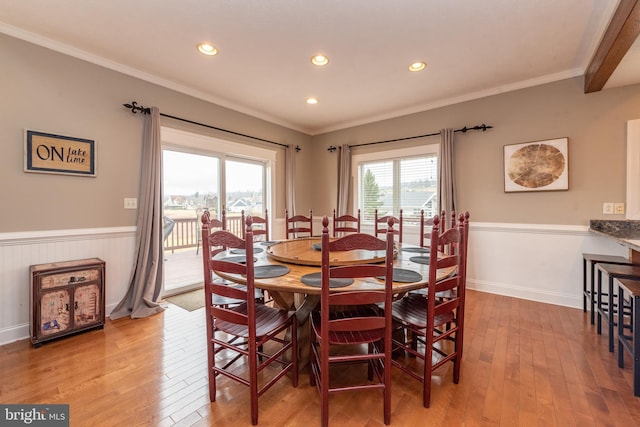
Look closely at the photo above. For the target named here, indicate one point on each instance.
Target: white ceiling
(473, 49)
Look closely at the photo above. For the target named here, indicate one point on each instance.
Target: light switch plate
(130, 203)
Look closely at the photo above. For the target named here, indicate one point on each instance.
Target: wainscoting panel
(529, 261)
(533, 261)
(18, 251)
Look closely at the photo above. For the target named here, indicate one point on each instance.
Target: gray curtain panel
(289, 174)
(344, 180)
(446, 181)
(145, 283)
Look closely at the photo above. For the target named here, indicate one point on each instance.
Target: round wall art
(537, 166)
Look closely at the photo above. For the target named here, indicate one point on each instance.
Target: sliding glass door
(191, 186)
(244, 191)
(195, 181)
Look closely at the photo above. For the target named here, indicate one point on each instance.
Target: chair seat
(412, 309)
(348, 337)
(226, 301)
(268, 319)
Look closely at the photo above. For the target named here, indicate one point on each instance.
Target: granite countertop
(626, 232)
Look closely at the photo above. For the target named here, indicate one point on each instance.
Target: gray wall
(594, 123)
(46, 91)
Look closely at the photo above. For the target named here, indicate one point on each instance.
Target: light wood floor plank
(525, 363)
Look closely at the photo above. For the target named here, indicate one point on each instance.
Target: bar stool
(609, 308)
(631, 322)
(588, 289)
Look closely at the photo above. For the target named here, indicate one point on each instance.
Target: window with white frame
(397, 179)
(205, 173)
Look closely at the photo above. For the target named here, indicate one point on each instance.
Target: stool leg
(635, 323)
(599, 296)
(584, 287)
(620, 328)
(610, 313)
(592, 294)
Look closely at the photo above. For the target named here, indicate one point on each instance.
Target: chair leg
(324, 392)
(370, 364)
(211, 356)
(426, 381)
(253, 382)
(294, 351)
(458, 358)
(312, 360)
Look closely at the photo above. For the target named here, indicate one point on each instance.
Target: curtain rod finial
(135, 108)
(332, 148)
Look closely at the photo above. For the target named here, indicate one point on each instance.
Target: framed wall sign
(537, 166)
(49, 153)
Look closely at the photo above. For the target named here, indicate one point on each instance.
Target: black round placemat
(315, 280)
(417, 250)
(268, 271)
(420, 259)
(405, 276)
(243, 251)
(241, 259)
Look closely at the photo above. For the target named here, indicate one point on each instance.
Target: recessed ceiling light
(207, 49)
(319, 59)
(312, 101)
(417, 66)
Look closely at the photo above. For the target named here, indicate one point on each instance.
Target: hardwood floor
(525, 364)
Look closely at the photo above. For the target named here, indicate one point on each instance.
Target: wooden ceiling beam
(620, 35)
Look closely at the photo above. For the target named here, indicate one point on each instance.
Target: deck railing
(186, 232)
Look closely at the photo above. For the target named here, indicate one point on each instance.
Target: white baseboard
(548, 297)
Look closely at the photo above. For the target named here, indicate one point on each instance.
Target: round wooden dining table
(301, 257)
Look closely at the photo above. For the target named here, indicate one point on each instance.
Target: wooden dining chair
(294, 228)
(215, 223)
(351, 318)
(380, 224)
(263, 225)
(425, 228)
(436, 324)
(240, 331)
(345, 224)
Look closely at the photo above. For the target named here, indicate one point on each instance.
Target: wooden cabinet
(66, 297)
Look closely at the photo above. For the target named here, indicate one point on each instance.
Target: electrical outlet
(607, 208)
(618, 208)
(130, 203)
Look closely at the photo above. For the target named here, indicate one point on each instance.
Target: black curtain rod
(135, 108)
(481, 127)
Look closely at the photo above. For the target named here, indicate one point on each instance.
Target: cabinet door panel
(54, 312)
(87, 305)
